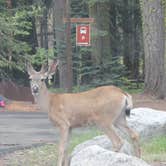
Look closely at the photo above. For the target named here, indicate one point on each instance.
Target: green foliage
(108, 72)
(12, 51)
(155, 149)
(92, 2)
(42, 55)
(16, 41)
(88, 73)
(111, 72)
(15, 27)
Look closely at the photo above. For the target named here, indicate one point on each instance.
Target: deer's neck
(42, 99)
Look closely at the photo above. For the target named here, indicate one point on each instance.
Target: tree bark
(96, 53)
(114, 31)
(131, 37)
(45, 28)
(100, 30)
(154, 47)
(63, 52)
(9, 4)
(41, 33)
(101, 40)
(68, 50)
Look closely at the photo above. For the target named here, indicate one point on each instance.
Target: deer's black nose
(35, 89)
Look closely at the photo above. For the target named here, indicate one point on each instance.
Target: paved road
(20, 130)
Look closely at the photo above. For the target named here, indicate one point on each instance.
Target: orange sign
(83, 35)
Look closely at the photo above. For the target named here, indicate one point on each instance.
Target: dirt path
(159, 164)
(144, 100)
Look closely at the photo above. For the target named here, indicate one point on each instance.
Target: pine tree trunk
(68, 51)
(153, 29)
(45, 28)
(101, 53)
(131, 37)
(127, 35)
(96, 53)
(34, 36)
(137, 40)
(60, 33)
(41, 33)
(114, 30)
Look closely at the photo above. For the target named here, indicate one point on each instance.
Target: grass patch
(77, 139)
(155, 149)
(39, 156)
(152, 151)
(46, 155)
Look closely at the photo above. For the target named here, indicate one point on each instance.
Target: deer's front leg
(63, 145)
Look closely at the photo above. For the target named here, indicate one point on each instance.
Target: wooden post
(67, 20)
(69, 48)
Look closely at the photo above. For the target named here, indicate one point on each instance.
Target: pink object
(2, 104)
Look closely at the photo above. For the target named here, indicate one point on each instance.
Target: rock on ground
(104, 142)
(97, 156)
(148, 122)
(97, 151)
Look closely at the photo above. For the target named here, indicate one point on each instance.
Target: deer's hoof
(135, 136)
(118, 147)
(138, 153)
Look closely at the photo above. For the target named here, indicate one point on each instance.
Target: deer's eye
(42, 79)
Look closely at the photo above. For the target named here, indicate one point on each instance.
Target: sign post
(82, 30)
(83, 36)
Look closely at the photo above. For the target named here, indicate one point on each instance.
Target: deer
(105, 106)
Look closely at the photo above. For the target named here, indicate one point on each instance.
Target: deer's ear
(52, 68)
(30, 69)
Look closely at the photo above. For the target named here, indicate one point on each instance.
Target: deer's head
(37, 78)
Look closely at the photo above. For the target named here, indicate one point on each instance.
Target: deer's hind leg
(109, 130)
(121, 123)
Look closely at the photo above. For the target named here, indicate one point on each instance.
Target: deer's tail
(129, 104)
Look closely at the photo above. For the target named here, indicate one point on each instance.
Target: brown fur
(90, 106)
(105, 106)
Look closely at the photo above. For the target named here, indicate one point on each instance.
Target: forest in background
(127, 42)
